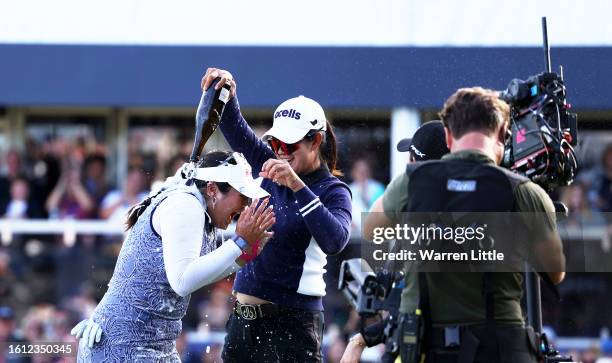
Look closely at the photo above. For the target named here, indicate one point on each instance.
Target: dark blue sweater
(310, 224)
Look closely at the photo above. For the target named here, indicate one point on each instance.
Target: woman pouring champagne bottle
(278, 315)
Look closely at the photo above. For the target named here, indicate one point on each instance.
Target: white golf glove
(88, 330)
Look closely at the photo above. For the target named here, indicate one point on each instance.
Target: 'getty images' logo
(288, 113)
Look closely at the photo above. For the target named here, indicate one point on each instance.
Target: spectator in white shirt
(19, 205)
(116, 203)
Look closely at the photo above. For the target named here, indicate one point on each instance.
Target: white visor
(239, 176)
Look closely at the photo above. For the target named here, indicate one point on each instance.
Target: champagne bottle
(208, 116)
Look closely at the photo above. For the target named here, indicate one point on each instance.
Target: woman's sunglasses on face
(288, 149)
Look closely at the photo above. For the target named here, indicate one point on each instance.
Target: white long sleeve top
(179, 220)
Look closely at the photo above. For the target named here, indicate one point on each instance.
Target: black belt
(260, 311)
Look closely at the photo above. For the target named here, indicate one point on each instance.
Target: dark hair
(210, 159)
(328, 151)
(474, 109)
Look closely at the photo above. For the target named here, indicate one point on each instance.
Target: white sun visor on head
(239, 176)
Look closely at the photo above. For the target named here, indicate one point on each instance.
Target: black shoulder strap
(423, 303)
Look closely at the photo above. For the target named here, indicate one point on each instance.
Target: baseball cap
(239, 176)
(427, 143)
(294, 118)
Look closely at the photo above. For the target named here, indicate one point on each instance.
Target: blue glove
(88, 330)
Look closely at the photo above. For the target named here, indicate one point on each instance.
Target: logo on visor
(247, 170)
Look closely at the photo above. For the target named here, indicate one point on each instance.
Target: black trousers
(291, 337)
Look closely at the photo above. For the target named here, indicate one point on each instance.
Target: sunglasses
(288, 149)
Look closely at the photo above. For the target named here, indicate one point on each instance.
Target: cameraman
(473, 317)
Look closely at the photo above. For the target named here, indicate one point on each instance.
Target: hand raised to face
(254, 221)
(280, 172)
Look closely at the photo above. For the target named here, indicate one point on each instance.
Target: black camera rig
(544, 131)
(370, 294)
(541, 147)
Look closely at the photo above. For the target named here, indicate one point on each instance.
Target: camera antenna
(546, 46)
(532, 281)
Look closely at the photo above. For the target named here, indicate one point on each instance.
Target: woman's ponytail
(329, 151)
(136, 210)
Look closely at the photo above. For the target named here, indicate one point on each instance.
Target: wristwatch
(240, 242)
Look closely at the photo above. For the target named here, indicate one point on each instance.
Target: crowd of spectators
(58, 179)
(47, 286)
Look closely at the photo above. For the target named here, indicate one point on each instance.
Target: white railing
(96, 226)
(69, 228)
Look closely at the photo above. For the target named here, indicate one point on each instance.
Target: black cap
(428, 142)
